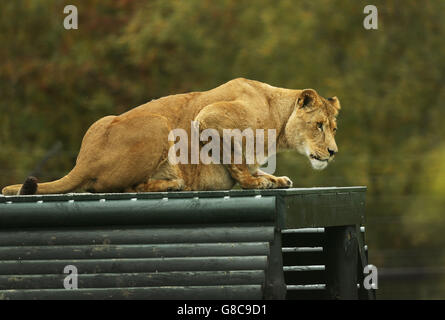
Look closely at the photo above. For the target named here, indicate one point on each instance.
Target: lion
(129, 152)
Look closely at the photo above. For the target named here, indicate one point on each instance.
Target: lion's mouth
(315, 157)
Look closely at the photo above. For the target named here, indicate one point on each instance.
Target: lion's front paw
(280, 182)
(284, 182)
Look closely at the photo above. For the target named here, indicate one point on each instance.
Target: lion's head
(312, 126)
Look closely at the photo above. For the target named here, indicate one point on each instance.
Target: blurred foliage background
(54, 83)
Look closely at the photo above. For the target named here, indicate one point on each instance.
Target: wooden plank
(134, 251)
(138, 211)
(181, 194)
(134, 265)
(304, 268)
(275, 288)
(341, 262)
(244, 292)
(154, 279)
(136, 235)
(324, 209)
(303, 230)
(300, 250)
(305, 287)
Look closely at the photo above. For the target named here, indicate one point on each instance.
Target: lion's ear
(307, 98)
(335, 103)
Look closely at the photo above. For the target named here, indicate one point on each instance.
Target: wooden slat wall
(136, 248)
(112, 263)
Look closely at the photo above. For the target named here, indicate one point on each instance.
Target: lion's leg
(161, 185)
(241, 173)
(167, 178)
(281, 182)
(216, 116)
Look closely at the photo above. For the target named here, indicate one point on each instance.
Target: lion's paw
(284, 182)
(280, 182)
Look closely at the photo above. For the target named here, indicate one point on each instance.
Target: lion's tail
(68, 183)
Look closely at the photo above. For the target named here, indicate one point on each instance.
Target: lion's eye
(320, 126)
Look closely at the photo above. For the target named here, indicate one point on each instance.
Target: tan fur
(129, 152)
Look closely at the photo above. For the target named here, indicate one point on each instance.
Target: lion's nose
(331, 152)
